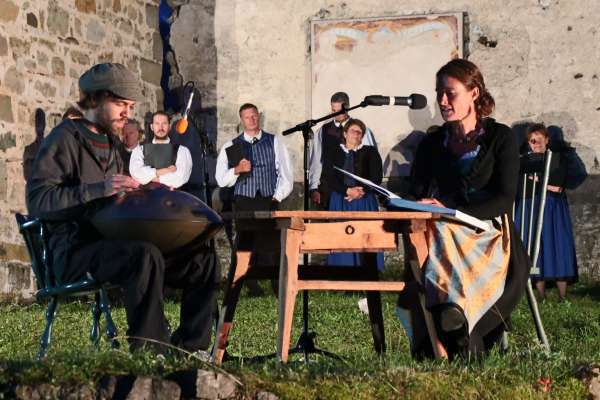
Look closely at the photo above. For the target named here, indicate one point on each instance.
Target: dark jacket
(67, 186)
(367, 164)
(493, 175)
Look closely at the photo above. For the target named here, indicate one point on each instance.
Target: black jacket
(67, 186)
(367, 164)
(493, 173)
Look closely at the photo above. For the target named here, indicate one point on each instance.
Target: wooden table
(326, 232)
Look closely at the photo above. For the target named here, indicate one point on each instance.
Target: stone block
(157, 46)
(86, 6)
(152, 16)
(19, 276)
(3, 46)
(80, 58)
(151, 71)
(20, 47)
(58, 20)
(7, 140)
(13, 80)
(117, 6)
(95, 32)
(45, 89)
(6, 113)
(58, 66)
(42, 59)
(9, 12)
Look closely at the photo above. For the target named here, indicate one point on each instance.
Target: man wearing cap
(329, 136)
(160, 160)
(78, 166)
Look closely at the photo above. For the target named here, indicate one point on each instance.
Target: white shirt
(144, 173)
(226, 176)
(315, 166)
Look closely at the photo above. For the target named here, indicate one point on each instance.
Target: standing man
(326, 142)
(76, 168)
(257, 165)
(161, 161)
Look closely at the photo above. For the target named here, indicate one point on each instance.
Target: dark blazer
(493, 175)
(67, 186)
(367, 164)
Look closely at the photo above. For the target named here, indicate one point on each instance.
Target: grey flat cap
(113, 77)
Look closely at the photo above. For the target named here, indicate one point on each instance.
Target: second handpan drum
(169, 219)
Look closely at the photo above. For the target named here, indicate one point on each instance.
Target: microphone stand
(305, 343)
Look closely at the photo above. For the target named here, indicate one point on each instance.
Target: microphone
(183, 123)
(414, 101)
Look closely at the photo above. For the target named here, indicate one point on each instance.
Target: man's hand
(315, 196)
(243, 166)
(354, 193)
(119, 183)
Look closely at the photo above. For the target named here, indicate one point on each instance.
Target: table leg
(288, 278)
(237, 272)
(374, 304)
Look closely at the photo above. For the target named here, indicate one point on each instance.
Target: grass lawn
(573, 329)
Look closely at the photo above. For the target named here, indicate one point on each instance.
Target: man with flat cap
(326, 142)
(77, 167)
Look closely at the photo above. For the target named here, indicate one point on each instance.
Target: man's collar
(249, 138)
(164, 141)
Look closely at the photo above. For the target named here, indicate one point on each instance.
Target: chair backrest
(35, 234)
(533, 182)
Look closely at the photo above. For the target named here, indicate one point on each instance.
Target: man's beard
(108, 125)
(166, 135)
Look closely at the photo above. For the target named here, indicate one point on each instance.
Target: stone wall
(539, 58)
(45, 45)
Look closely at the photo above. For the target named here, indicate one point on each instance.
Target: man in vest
(77, 167)
(160, 160)
(326, 140)
(258, 167)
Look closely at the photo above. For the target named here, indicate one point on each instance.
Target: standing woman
(347, 194)
(557, 260)
(472, 279)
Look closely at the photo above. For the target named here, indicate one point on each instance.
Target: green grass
(573, 329)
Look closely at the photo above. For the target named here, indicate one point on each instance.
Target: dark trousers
(142, 271)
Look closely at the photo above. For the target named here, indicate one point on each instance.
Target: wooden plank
(352, 285)
(348, 236)
(326, 215)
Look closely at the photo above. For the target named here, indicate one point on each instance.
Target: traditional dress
(482, 274)
(557, 259)
(365, 161)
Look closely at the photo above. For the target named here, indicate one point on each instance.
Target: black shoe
(451, 319)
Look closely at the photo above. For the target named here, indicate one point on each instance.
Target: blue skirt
(337, 203)
(557, 259)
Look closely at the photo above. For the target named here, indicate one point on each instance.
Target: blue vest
(262, 178)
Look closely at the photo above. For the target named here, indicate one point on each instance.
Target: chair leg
(111, 329)
(95, 331)
(535, 313)
(47, 335)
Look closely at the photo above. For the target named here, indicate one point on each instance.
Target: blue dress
(557, 259)
(337, 203)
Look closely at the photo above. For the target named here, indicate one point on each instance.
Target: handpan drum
(168, 218)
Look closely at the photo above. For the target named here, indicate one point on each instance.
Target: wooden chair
(533, 172)
(35, 234)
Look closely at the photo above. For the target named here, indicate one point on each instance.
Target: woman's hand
(555, 189)
(354, 193)
(432, 201)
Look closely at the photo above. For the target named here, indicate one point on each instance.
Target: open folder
(396, 201)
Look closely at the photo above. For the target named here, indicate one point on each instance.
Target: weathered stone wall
(539, 58)
(45, 45)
